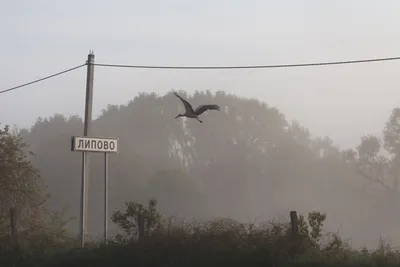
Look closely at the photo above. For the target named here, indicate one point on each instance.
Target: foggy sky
(43, 37)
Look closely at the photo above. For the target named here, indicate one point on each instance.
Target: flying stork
(190, 113)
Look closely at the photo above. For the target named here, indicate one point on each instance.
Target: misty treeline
(246, 162)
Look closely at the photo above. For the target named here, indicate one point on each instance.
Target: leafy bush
(218, 242)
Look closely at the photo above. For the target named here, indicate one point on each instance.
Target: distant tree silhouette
(241, 162)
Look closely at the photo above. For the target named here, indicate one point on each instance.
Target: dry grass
(222, 242)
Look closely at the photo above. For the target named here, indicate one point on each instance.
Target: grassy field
(220, 242)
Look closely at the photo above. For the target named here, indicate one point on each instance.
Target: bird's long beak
(177, 116)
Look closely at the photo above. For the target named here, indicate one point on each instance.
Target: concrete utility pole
(85, 155)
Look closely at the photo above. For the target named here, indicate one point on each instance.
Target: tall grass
(219, 242)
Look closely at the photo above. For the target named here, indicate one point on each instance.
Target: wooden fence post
(294, 223)
(14, 234)
(141, 226)
(294, 247)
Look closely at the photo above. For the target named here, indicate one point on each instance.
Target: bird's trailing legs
(190, 113)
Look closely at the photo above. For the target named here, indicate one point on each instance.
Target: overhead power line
(42, 79)
(249, 66)
(208, 68)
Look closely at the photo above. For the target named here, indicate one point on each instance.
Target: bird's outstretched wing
(200, 109)
(187, 105)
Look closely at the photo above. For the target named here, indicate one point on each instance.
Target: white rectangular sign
(94, 144)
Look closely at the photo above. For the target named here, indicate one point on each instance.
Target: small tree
(20, 183)
(130, 220)
(22, 188)
(311, 230)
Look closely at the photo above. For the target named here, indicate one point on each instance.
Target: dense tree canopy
(245, 161)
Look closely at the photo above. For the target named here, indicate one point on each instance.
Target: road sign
(94, 144)
(102, 145)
